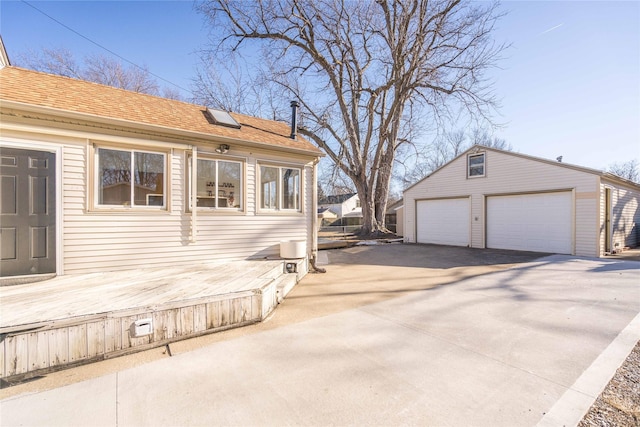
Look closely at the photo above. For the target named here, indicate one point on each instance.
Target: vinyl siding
(95, 240)
(509, 174)
(586, 226)
(73, 175)
(625, 215)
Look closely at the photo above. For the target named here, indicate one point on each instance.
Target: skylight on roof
(223, 118)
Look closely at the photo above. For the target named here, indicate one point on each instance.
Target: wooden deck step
(77, 319)
(86, 294)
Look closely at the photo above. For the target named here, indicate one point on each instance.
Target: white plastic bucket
(293, 249)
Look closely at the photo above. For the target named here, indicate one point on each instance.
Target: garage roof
(479, 147)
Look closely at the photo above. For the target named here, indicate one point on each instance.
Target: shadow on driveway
(363, 275)
(428, 256)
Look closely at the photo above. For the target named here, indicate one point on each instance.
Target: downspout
(194, 193)
(314, 203)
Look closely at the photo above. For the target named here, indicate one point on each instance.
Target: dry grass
(619, 403)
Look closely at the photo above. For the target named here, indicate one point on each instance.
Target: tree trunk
(367, 202)
(374, 202)
(383, 181)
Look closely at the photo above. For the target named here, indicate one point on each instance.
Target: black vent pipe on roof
(294, 119)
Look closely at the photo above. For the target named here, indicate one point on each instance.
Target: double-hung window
(280, 188)
(130, 178)
(219, 184)
(476, 166)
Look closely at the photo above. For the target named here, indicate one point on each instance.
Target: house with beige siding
(490, 198)
(96, 178)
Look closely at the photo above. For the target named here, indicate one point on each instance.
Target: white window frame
(477, 166)
(132, 206)
(216, 188)
(280, 189)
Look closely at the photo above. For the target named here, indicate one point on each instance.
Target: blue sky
(569, 85)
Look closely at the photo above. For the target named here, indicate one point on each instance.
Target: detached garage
(489, 198)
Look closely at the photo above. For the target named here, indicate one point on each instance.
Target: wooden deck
(76, 319)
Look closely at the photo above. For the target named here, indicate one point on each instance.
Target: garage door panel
(532, 222)
(443, 221)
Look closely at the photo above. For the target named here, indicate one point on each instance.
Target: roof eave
(620, 180)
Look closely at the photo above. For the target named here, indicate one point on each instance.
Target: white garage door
(443, 222)
(531, 222)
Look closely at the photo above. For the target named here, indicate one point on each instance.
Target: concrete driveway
(391, 335)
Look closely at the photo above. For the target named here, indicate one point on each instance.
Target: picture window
(219, 184)
(280, 188)
(130, 178)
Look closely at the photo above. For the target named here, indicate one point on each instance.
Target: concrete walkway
(531, 344)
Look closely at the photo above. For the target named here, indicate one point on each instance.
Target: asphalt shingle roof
(65, 94)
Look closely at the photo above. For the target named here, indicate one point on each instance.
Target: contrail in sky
(551, 29)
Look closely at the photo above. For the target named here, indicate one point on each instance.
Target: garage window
(476, 165)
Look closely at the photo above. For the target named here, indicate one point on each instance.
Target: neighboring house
(96, 178)
(489, 198)
(342, 205)
(326, 216)
(346, 207)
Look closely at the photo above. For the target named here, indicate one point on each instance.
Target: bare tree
(228, 85)
(58, 61)
(171, 93)
(107, 71)
(483, 137)
(627, 170)
(363, 70)
(95, 68)
(220, 84)
(333, 180)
